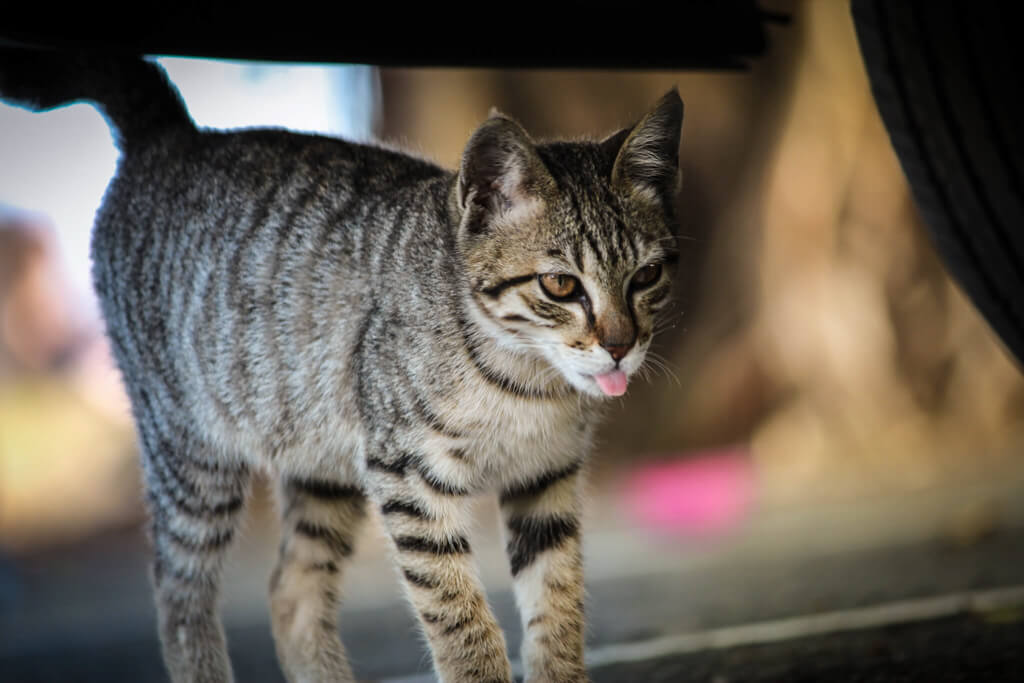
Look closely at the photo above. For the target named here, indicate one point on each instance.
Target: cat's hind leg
(320, 522)
(195, 502)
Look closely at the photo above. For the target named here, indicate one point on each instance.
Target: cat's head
(569, 247)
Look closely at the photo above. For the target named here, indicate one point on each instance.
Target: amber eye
(558, 285)
(646, 275)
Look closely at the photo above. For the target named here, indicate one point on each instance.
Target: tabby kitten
(377, 332)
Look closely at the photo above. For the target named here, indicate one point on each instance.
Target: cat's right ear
(647, 162)
(501, 174)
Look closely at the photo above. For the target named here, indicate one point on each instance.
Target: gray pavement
(84, 614)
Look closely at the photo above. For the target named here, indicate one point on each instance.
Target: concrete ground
(924, 586)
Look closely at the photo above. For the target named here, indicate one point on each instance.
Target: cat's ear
(500, 173)
(647, 161)
(613, 143)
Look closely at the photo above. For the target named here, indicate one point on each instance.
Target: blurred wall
(815, 328)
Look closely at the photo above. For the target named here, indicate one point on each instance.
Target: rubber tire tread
(945, 79)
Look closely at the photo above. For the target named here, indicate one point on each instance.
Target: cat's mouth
(611, 383)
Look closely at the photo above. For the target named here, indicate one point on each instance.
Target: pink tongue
(612, 383)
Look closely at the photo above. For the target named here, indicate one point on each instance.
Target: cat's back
(231, 267)
(192, 179)
(235, 208)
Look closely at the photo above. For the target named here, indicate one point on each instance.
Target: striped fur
(371, 329)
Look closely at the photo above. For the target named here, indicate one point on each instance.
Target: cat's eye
(646, 276)
(558, 285)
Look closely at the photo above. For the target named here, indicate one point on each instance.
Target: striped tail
(134, 95)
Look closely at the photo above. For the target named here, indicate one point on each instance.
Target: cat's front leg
(426, 513)
(543, 528)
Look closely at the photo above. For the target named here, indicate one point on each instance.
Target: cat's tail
(134, 94)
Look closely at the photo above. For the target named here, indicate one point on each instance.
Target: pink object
(706, 494)
(612, 383)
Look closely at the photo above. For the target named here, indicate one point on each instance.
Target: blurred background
(824, 392)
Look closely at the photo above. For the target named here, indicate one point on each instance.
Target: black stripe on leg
(228, 507)
(459, 625)
(398, 466)
(432, 420)
(532, 536)
(419, 544)
(212, 467)
(438, 485)
(538, 485)
(182, 492)
(164, 568)
(328, 567)
(415, 579)
(404, 461)
(327, 535)
(170, 502)
(404, 507)
(200, 546)
(457, 454)
(325, 490)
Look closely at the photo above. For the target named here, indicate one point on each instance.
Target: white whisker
(661, 363)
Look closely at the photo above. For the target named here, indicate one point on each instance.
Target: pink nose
(617, 351)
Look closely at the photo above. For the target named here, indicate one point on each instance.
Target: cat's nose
(616, 332)
(616, 351)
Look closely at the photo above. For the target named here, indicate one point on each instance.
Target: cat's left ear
(500, 173)
(648, 154)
